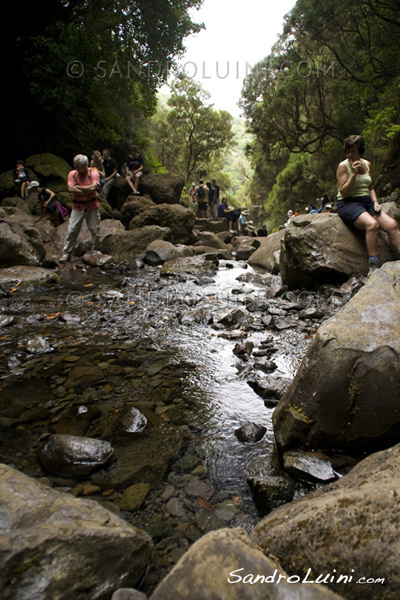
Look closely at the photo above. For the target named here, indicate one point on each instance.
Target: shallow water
(92, 318)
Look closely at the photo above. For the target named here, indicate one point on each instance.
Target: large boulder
(320, 248)
(346, 393)
(159, 252)
(345, 533)
(133, 206)
(56, 546)
(178, 219)
(225, 564)
(207, 238)
(267, 255)
(163, 188)
(50, 170)
(128, 245)
(20, 240)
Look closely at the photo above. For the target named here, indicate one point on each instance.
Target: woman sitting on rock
(357, 201)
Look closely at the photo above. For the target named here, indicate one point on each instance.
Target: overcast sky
(237, 36)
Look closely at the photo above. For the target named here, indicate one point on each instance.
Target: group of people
(357, 203)
(205, 198)
(207, 204)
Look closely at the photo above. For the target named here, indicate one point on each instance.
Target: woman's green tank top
(362, 183)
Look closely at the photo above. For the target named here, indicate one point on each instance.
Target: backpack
(76, 175)
(201, 192)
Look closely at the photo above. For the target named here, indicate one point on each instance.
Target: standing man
(110, 173)
(84, 183)
(216, 187)
(201, 200)
(212, 200)
(134, 169)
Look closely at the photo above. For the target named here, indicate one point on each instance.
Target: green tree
(189, 135)
(83, 73)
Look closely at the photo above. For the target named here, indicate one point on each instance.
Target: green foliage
(85, 73)
(334, 72)
(189, 136)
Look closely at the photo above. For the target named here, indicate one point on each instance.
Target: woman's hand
(357, 167)
(377, 207)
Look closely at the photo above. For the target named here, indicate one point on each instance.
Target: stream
(76, 357)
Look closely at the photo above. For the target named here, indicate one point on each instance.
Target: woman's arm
(345, 183)
(372, 192)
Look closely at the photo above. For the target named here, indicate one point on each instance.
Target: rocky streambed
(151, 391)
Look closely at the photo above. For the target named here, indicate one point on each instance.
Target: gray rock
(250, 432)
(271, 492)
(58, 546)
(128, 594)
(342, 529)
(307, 467)
(74, 456)
(267, 255)
(159, 252)
(336, 398)
(215, 567)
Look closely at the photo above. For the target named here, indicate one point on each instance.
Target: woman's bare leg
(371, 227)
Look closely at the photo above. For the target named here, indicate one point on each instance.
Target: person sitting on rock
(230, 214)
(262, 232)
(134, 169)
(358, 204)
(50, 208)
(110, 173)
(21, 179)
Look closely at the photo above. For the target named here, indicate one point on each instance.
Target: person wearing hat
(290, 216)
(50, 208)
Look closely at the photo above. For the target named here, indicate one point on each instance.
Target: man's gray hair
(81, 160)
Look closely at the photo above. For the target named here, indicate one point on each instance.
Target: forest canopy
(82, 73)
(334, 72)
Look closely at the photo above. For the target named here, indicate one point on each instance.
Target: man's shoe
(65, 258)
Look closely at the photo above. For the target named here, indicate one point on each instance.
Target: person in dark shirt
(212, 200)
(110, 173)
(262, 232)
(134, 169)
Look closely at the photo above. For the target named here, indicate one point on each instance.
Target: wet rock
(84, 377)
(75, 421)
(159, 252)
(199, 489)
(74, 456)
(52, 538)
(250, 432)
(271, 492)
(237, 317)
(210, 253)
(350, 522)
(270, 388)
(175, 508)
(133, 421)
(267, 366)
(216, 565)
(200, 315)
(335, 401)
(38, 345)
(147, 459)
(134, 496)
(24, 277)
(306, 467)
(96, 259)
(281, 323)
(245, 348)
(6, 320)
